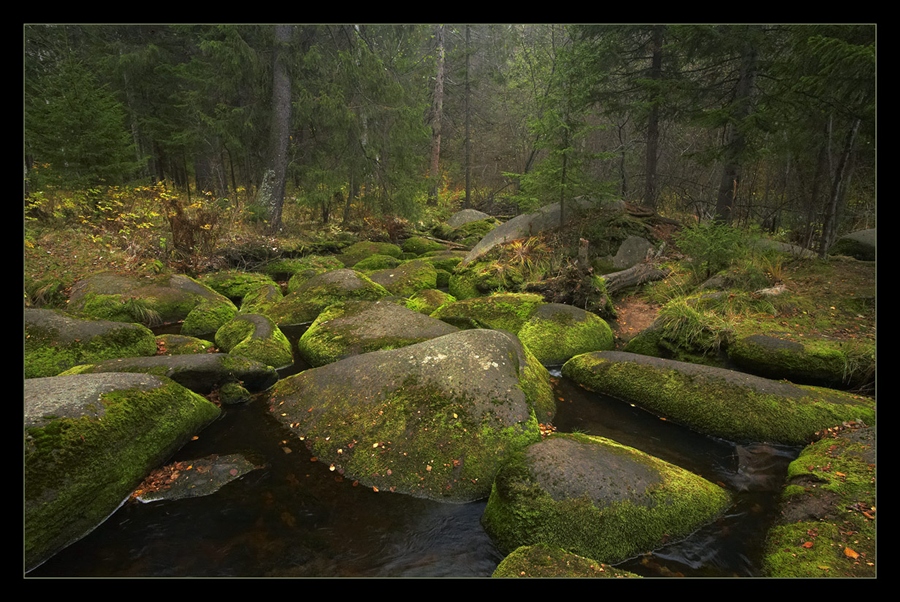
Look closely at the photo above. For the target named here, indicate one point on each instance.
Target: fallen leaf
(850, 553)
(807, 544)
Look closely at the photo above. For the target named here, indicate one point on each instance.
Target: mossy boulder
(55, 342)
(556, 333)
(200, 373)
(286, 268)
(419, 245)
(355, 327)
(444, 260)
(502, 311)
(359, 251)
(824, 363)
(235, 284)
(826, 524)
(859, 245)
(483, 278)
(407, 278)
(261, 299)
(160, 300)
(304, 305)
(719, 402)
(433, 420)
(89, 441)
(256, 337)
(545, 561)
(179, 344)
(428, 300)
(466, 216)
(376, 262)
(205, 319)
(596, 498)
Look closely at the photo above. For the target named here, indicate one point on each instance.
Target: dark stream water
(295, 518)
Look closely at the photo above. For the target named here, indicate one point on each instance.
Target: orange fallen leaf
(807, 544)
(850, 553)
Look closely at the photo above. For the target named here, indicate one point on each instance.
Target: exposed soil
(634, 316)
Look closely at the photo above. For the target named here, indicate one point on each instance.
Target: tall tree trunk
(271, 188)
(436, 116)
(653, 120)
(837, 191)
(735, 140)
(468, 202)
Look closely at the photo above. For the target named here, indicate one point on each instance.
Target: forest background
(171, 137)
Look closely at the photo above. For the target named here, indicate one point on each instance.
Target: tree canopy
(769, 124)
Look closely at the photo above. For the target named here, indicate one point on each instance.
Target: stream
(295, 518)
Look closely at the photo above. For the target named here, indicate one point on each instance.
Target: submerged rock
(597, 498)
(89, 440)
(434, 420)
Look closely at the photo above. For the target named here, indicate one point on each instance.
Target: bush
(711, 246)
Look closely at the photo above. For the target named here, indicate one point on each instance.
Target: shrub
(711, 246)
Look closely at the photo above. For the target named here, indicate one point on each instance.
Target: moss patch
(827, 525)
(548, 562)
(719, 402)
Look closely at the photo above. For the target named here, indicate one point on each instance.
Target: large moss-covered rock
(825, 363)
(483, 278)
(55, 342)
(358, 251)
(287, 268)
(200, 373)
(555, 333)
(503, 311)
(163, 299)
(597, 498)
(179, 344)
(376, 262)
(89, 441)
(305, 304)
(256, 337)
(355, 327)
(260, 300)
(235, 284)
(719, 402)
(407, 278)
(432, 420)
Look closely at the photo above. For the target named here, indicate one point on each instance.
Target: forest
(352, 286)
(757, 125)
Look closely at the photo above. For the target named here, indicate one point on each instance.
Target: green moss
(548, 562)
(419, 440)
(376, 262)
(235, 284)
(836, 477)
(419, 245)
(242, 337)
(520, 512)
(46, 355)
(561, 337)
(78, 470)
(501, 311)
(716, 406)
(358, 251)
(207, 318)
(427, 301)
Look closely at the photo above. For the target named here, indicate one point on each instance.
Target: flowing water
(295, 518)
